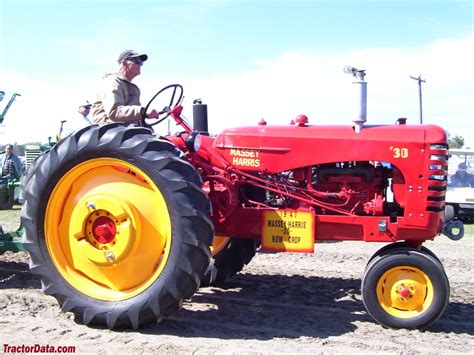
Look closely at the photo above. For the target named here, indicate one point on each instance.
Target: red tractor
(122, 225)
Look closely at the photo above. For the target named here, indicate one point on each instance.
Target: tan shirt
(117, 101)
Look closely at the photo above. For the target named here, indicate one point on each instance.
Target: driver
(119, 99)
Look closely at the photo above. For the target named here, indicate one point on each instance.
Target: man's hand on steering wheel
(175, 98)
(153, 114)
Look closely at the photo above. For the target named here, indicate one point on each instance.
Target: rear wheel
(405, 288)
(229, 256)
(116, 226)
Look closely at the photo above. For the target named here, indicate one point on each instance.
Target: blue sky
(246, 59)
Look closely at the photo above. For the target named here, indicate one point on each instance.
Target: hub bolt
(110, 256)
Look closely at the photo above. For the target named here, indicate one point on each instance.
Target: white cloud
(280, 89)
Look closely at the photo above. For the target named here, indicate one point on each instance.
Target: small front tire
(405, 288)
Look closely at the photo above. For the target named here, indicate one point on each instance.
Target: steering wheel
(176, 97)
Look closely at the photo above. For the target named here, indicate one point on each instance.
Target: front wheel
(116, 225)
(398, 246)
(405, 288)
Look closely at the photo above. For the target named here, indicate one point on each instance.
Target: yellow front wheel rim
(108, 229)
(405, 291)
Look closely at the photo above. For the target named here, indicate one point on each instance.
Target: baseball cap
(129, 54)
(86, 104)
(462, 166)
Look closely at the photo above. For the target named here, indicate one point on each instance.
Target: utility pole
(419, 94)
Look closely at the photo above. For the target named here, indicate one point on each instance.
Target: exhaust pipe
(361, 87)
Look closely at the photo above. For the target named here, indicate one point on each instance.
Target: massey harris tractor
(122, 225)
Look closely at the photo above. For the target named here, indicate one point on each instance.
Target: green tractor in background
(7, 184)
(9, 191)
(10, 187)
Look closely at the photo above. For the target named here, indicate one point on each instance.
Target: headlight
(193, 142)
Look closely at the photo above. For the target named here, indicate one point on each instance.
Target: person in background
(462, 178)
(119, 99)
(74, 124)
(84, 111)
(10, 164)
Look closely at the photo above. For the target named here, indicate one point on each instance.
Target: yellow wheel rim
(218, 244)
(405, 292)
(108, 229)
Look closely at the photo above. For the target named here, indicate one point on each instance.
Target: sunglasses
(137, 61)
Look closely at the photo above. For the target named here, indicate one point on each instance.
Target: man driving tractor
(119, 98)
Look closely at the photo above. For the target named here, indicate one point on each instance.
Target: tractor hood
(279, 148)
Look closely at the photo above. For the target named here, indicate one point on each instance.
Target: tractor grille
(31, 153)
(437, 177)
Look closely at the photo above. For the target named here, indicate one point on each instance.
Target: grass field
(10, 221)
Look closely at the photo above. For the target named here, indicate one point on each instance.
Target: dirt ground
(280, 303)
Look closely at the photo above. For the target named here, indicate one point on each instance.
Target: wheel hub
(405, 291)
(104, 230)
(408, 294)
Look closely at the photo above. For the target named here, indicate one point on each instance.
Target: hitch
(450, 228)
(452, 225)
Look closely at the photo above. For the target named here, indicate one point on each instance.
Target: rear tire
(229, 259)
(28, 174)
(116, 225)
(405, 288)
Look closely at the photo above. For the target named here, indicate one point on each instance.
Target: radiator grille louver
(437, 177)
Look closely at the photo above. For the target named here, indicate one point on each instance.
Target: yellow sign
(245, 157)
(288, 230)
